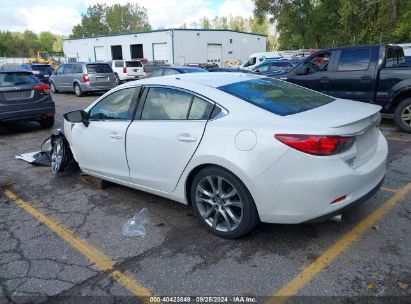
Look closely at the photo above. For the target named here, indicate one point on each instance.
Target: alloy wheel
(57, 156)
(77, 90)
(219, 203)
(406, 115)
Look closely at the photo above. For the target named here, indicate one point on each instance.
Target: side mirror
(77, 116)
(301, 70)
(257, 71)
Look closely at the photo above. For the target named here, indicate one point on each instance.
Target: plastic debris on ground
(135, 225)
(38, 158)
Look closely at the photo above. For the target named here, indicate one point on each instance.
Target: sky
(59, 16)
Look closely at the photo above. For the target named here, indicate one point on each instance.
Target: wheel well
(190, 179)
(400, 97)
(194, 172)
(74, 84)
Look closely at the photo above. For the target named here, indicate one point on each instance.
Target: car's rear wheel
(402, 115)
(78, 91)
(47, 122)
(222, 203)
(53, 88)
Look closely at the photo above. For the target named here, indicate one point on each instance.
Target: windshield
(98, 68)
(278, 97)
(251, 61)
(10, 79)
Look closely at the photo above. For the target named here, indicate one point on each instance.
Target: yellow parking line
(311, 270)
(388, 189)
(400, 139)
(99, 259)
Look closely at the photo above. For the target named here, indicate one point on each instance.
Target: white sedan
(240, 148)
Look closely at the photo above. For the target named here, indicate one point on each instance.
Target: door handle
(324, 79)
(115, 136)
(187, 138)
(366, 78)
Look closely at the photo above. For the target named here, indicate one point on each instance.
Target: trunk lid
(345, 118)
(100, 75)
(134, 68)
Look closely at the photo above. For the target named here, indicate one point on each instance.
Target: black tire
(402, 115)
(53, 88)
(118, 82)
(246, 216)
(78, 91)
(47, 123)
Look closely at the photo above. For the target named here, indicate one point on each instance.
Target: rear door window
(200, 109)
(119, 63)
(68, 69)
(354, 60)
(13, 79)
(77, 69)
(98, 68)
(278, 97)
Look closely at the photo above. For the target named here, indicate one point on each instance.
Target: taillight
(85, 78)
(317, 144)
(124, 70)
(42, 87)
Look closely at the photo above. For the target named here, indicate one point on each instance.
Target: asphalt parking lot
(61, 241)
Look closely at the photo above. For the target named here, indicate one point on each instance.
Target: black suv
(41, 71)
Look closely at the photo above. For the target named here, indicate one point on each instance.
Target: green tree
(101, 19)
(46, 41)
(127, 18)
(327, 23)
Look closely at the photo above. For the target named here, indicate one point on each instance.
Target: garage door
(99, 53)
(214, 53)
(160, 52)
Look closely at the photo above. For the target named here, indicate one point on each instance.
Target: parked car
(24, 98)
(239, 147)
(273, 67)
(128, 69)
(370, 73)
(257, 58)
(231, 70)
(164, 71)
(81, 78)
(206, 66)
(41, 71)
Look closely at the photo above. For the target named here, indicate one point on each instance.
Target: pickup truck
(369, 73)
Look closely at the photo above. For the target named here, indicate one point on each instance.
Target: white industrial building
(171, 46)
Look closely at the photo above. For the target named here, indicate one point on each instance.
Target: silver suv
(80, 78)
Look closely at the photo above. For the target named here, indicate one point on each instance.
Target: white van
(128, 69)
(257, 58)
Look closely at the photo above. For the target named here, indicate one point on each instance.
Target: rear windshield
(14, 79)
(41, 68)
(98, 68)
(278, 97)
(133, 64)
